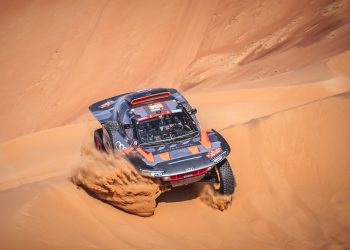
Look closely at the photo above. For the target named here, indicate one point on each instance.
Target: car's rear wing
(103, 110)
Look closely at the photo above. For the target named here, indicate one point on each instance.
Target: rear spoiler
(150, 97)
(103, 110)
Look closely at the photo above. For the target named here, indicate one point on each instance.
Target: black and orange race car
(159, 133)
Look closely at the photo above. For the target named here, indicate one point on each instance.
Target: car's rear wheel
(225, 180)
(110, 127)
(98, 139)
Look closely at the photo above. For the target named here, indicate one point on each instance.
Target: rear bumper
(186, 181)
(183, 170)
(164, 176)
(184, 178)
(179, 166)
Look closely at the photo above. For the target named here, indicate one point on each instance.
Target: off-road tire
(226, 178)
(98, 140)
(110, 127)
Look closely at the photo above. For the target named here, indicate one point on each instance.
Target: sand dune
(97, 48)
(273, 77)
(291, 193)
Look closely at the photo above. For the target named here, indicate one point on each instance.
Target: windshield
(165, 128)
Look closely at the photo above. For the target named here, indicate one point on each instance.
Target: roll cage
(135, 126)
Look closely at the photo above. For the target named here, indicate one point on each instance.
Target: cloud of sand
(114, 180)
(213, 199)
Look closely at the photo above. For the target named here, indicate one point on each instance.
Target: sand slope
(291, 193)
(273, 77)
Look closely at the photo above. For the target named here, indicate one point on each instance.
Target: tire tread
(227, 183)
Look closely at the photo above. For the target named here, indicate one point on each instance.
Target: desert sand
(272, 76)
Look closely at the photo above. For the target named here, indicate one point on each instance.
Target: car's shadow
(179, 194)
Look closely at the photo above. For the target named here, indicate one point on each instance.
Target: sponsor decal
(177, 110)
(187, 175)
(153, 115)
(156, 107)
(157, 173)
(119, 145)
(154, 173)
(189, 169)
(214, 152)
(219, 158)
(106, 104)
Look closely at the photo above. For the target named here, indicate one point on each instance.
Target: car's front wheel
(225, 180)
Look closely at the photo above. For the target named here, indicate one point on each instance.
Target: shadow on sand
(179, 194)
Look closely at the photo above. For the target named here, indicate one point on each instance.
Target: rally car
(158, 132)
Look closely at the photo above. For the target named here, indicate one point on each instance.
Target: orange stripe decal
(148, 156)
(193, 149)
(165, 156)
(128, 150)
(205, 141)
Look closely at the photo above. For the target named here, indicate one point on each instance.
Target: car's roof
(118, 107)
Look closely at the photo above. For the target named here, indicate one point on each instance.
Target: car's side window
(129, 133)
(118, 119)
